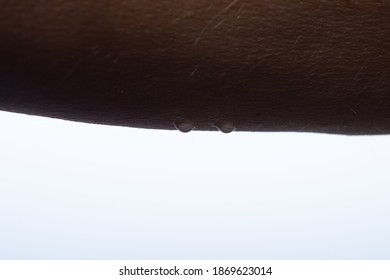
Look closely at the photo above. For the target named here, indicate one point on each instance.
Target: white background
(79, 191)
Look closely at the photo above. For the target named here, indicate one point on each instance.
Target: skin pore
(258, 65)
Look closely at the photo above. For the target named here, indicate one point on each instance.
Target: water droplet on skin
(226, 127)
(184, 126)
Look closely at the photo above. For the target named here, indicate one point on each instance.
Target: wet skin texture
(264, 65)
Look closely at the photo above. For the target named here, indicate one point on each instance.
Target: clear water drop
(226, 127)
(184, 126)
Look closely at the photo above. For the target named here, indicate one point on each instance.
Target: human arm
(315, 66)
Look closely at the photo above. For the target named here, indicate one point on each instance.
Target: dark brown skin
(264, 65)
